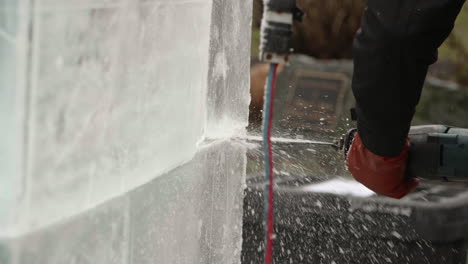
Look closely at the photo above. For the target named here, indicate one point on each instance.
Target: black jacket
(397, 42)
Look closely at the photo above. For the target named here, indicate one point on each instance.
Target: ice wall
(190, 215)
(227, 94)
(114, 96)
(10, 116)
(101, 98)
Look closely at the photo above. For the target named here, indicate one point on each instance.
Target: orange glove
(385, 176)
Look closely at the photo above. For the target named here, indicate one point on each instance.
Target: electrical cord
(268, 153)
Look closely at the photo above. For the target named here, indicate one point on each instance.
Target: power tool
(276, 28)
(437, 152)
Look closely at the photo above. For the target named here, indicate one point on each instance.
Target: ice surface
(10, 133)
(190, 215)
(341, 186)
(99, 99)
(227, 83)
(107, 93)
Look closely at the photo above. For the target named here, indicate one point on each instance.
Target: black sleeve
(397, 42)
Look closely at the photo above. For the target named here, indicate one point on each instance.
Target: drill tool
(437, 152)
(277, 22)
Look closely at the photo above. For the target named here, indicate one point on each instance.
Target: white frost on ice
(341, 186)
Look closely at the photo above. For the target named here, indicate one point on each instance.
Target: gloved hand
(383, 175)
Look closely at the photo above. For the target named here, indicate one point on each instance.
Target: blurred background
(314, 89)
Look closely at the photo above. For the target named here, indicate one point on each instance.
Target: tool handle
(438, 153)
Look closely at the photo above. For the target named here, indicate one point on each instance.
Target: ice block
(100, 99)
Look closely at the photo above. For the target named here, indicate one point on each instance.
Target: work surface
(323, 216)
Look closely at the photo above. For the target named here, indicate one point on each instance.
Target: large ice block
(11, 112)
(227, 82)
(192, 214)
(101, 98)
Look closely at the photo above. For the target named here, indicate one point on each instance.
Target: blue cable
(267, 120)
